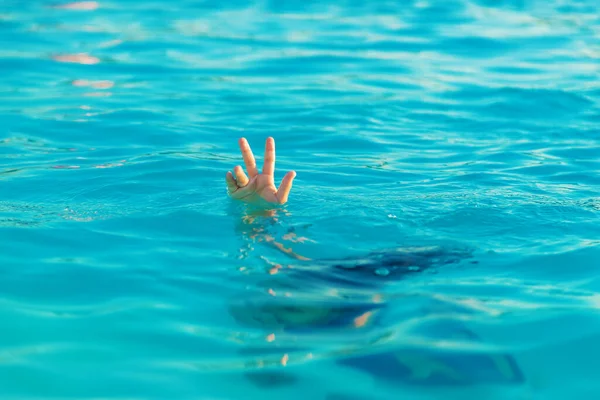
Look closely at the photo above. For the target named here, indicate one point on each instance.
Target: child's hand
(258, 186)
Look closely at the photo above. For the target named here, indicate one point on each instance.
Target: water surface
(127, 273)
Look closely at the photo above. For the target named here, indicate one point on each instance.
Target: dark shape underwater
(382, 266)
(432, 367)
(412, 366)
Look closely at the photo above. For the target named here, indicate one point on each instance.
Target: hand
(257, 186)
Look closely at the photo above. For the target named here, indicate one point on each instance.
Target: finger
(269, 165)
(249, 160)
(240, 176)
(285, 187)
(231, 185)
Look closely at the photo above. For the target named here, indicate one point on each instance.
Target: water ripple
(127, 274)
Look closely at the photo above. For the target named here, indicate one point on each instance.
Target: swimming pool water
(467, 125)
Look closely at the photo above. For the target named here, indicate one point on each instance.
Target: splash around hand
(254, 187)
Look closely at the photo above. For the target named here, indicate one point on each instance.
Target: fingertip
(290, 176)
(242, 141)
(231, 183)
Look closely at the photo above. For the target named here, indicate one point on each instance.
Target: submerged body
(311, 280)
(327, 298)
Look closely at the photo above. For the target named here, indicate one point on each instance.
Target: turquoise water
(470, 125)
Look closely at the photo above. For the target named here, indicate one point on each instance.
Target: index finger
(249, 160)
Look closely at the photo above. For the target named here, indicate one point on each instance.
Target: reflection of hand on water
(258, 187)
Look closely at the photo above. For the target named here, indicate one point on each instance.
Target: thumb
(231, 184)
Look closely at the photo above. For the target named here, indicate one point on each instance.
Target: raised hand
(254, 187)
